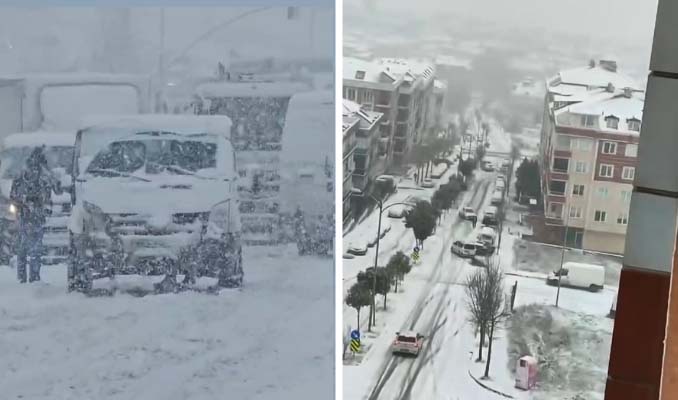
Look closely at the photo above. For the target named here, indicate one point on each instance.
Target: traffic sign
(415, 257)
(355, 345)
(355, 335)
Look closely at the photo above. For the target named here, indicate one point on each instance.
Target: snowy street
(252, 343)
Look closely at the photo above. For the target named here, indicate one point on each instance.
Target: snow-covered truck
(58, 149)
(257, 107)
(155, 195)
(49, 107)
(307, 171)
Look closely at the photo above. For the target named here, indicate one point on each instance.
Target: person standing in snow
(31, 194)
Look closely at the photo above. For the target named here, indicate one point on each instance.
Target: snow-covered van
(487, 236)
(58, 149)
(573, 274)
(57, 102)
(307, 171)
(257, 107)
(155, 195)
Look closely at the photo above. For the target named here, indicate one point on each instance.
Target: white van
(497, 198)
(573, 274)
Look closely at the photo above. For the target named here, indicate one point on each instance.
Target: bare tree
(475, 292)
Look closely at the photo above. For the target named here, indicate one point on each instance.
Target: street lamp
(373, 311)
(562, 255)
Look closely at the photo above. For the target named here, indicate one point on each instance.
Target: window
(600, 216)
(557, 187)
(578, 190)
(368, 97)
(609, 148)
(628, 173)
(602, 192)
(626, 196)
(581, 167)
(555, 208)
(631, 150)
(589, 120)
(561, 164)
(612, 122)
(584, 144)
(633, 124)
(563, 142)
(360, 75)
(623, 219)
(606, 170)
(351, 94)
(575, 212)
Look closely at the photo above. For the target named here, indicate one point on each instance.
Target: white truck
(155, 195)
(307, 171)
(579, 275)
(257, 108)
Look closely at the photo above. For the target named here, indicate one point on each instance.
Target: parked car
(579, 275)
(487, 236)
(357, 249)
(386, 183)
(499, 184)
(497, 198)
(467, 212)
(427, 183)
(407, 343)
(464, 249)
(487, 166)
(397, 211)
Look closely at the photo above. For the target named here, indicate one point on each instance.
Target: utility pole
(562, 255)
(160, 95)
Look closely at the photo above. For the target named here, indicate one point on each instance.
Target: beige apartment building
(589, 146)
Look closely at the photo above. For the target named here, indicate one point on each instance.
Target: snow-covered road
(271, 340)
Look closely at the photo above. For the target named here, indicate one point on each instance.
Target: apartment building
(376, 89)
(589, 145)
(349, 126)
(414, 103)
(368, 164)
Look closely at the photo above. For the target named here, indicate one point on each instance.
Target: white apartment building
(589, 145)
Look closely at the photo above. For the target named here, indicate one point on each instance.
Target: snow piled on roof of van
(188, 124)
(308, 135)
(47, 138)
(251, 89)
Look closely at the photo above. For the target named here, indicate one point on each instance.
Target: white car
(464, 249)
(467, 213)
(357, 249)
(397, 211)
(427, 183)
(407, 343)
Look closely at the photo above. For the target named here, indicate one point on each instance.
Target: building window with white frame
(589, 120)
(631, 150)
(584, 144)
(606, 170)
(628, 173)
(633, 124)
(600, 216)
(575, 212)
(603, 192)
(612, 122)
(368, 97)
(609, 148)
(623, 219)
(577, 190)
(581, 167)
(626, 196)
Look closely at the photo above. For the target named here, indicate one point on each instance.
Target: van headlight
(12, 209)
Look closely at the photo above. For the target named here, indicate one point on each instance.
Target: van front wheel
(594, 288)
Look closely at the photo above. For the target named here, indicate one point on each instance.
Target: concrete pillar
(638, 367)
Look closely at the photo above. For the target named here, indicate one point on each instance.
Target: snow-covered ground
(274, 339)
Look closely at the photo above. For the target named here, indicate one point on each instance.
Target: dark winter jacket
(31, 192)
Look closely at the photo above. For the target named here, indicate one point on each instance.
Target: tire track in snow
(480, 188)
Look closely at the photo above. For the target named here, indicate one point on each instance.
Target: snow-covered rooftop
(595, 76)
(606, 104)
(367, 71)
(352, 109)
(453, 61)
(49, 139)
(415, 68)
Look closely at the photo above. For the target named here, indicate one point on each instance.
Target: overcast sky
(628, 20)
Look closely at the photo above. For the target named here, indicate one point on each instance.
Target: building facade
(368, 163)
(588, 154)
(349, 125)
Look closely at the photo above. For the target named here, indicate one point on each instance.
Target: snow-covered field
(274, 339)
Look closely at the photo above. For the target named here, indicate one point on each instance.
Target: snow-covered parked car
(398, 211)
(155, 195)
(428, 183)
(464, 248)
(407, 343)
(307, 171)
(357, 248)
(58, 149)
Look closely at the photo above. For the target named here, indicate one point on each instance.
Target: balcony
(360, 181)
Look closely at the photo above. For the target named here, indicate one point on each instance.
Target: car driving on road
(464, 249)
(407, 343)
(467, 213)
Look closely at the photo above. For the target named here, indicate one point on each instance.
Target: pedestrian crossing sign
(415, 255)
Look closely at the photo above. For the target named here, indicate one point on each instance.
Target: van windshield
(155, 156)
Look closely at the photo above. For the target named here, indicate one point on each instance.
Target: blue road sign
(355, 334)
(416, 249)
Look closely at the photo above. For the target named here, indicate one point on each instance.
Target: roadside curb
(508, 396)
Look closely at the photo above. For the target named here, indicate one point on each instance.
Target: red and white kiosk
(526, 372)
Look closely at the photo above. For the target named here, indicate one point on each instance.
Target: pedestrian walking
(31, 194)
(474, 220)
